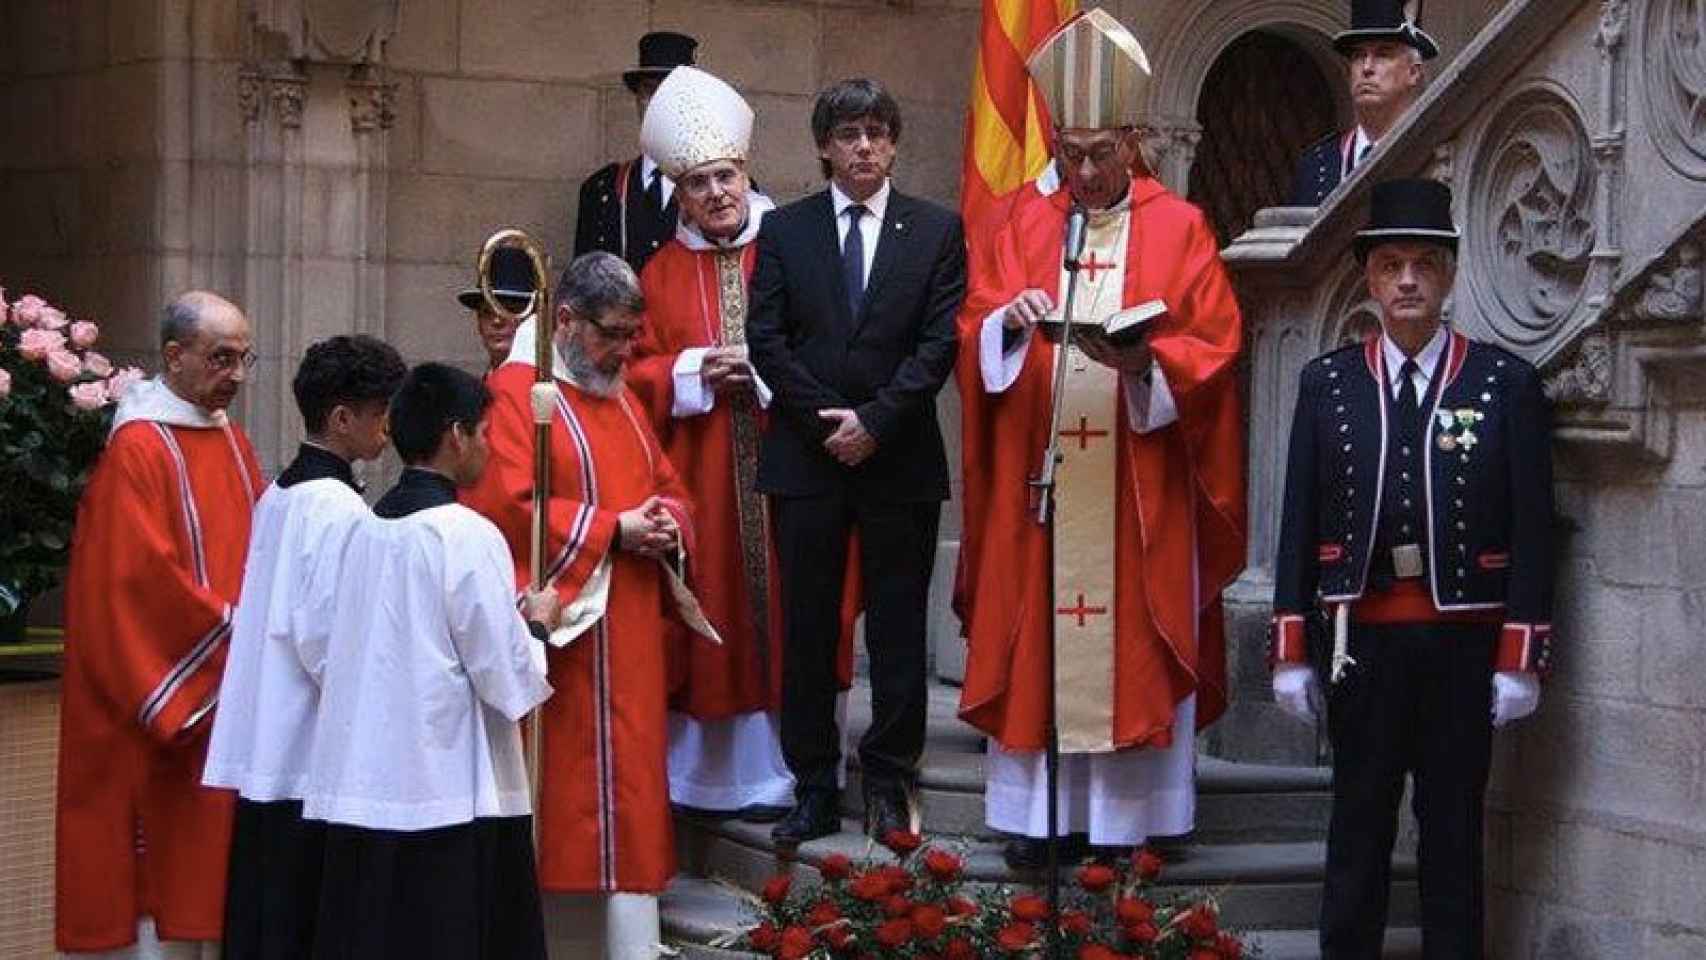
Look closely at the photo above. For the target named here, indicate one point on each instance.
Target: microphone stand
(1043, 485)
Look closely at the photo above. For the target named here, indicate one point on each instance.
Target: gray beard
(586, 376)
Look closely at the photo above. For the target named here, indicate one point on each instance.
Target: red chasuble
(1184, 477)
(697, 298)
(156, 564)
(603, 815)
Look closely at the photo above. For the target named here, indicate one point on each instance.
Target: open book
(1117, 330)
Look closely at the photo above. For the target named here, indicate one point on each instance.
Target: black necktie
(654, 190)
(1409, 404)
(853, 260)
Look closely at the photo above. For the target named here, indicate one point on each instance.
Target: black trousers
(897, 552)
(272, 889)
(1418, 702)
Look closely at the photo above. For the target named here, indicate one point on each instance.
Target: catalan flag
(1007, 139)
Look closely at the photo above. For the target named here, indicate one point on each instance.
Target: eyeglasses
(618, 334)
(1101, 155)
(848, 134)
(227, 359)
(700, 184)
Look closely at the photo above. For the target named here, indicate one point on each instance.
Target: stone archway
(1263, 101)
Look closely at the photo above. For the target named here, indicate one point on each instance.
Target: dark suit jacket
(598, 222)
(1319, 170)
(886, 364)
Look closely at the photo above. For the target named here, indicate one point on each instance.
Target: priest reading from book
(156, 565)
(270, 693)
(416, 763)
(619, 536)
(1149, 524)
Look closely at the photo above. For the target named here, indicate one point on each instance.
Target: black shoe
(886, 809)
(699, 813)
(815, 815)
(1031, 853)
(762, 813)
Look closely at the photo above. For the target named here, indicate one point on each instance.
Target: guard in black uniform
(628, 208)
(1418, 509)
(1383, 50)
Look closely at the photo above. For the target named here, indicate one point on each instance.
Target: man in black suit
(628, 208)
(852, 325)
(1383, 50)
(1417, 512)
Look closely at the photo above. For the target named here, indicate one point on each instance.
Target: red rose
(776, 888)
(835, 866)
(1148, 863)
(899, 880)
(962, 906)
(1096, 877)
(796, 943)
(1199, 923)
(1132, 910)
(870, 887)
(1229, 947)
(1075, 922)
(894, 933)
(764, 937)
(1016, 936)
(1028, 907)
(823, 913)
(942, 865)
(839, 937)
(902, 842)
(959, 948)
(1145, 932)
(897, 906)
(1096, 951)
(929, 920)
(1204, 953)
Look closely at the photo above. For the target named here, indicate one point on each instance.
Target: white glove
(1515, 695)
(1297, 691)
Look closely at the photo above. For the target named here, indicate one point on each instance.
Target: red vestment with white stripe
(156, 564)
(603, 810)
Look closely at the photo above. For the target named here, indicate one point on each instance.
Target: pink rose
(64, 366)
(37, 344)
(52, 318)
(90, 395)
(5, 384)
(83, 334)
(27, 310)
(123, 380)
(96, 364)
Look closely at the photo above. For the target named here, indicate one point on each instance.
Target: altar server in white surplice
(270, 691)
(417, 758)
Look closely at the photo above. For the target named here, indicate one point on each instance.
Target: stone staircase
(1259, 845)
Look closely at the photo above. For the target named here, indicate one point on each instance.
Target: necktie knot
(855, 212)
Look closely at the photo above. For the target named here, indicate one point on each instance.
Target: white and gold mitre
(694, 118)
(1092, 73)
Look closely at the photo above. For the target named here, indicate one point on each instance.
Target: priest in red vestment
(618, 521)
(156, 564)
(690, 369)
(1149, 521)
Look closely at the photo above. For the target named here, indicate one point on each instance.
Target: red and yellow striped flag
(1007, 142)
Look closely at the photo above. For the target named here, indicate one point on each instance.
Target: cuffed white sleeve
(1000, 366)
(691, 397)
(1149, 402)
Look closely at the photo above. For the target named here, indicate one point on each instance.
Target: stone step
(697, 912)
(1260, 885)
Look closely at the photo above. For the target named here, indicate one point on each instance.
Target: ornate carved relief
(1673, 290)
(326, 31)
(1675, 62)
(1351, 314)
(1532, 218)
(1587, 378)
(372, 101)
(288, 94)
(249, 95)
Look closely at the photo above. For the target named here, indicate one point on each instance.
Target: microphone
(1074, 237)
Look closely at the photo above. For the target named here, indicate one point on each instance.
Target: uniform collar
(1427, 358)
(314, 462)
(876, 204)
(416, 490)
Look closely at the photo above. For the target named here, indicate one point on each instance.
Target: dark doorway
(1264, 100)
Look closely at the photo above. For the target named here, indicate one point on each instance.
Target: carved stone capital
(251, 89)
(1586, 379)
(1672, 293)
(1613, 26)
(288, 93)
(372, 101)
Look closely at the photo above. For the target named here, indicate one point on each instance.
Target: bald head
(206, 348)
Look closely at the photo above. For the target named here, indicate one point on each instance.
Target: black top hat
(512, 281)
(1408, 210)
(1398, 20)
(660, 52)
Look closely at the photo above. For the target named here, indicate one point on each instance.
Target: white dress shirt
(1427, 362)
(648, 169)
(870, 225)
